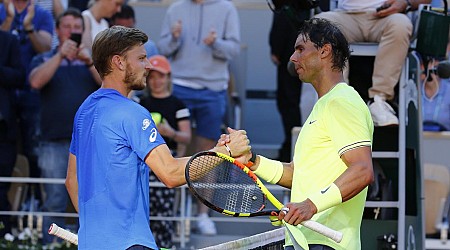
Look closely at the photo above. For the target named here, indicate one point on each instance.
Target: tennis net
(270, 240)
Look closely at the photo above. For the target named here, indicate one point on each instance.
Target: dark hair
(70, 12)
(126, 12)
(320, 32)
(116, 40)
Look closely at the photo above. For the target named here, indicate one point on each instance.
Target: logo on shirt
(153, 134)
(326, 189)
(145, 124)
(311, 122)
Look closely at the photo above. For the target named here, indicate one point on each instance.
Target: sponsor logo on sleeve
(145, 124)
(153, 134)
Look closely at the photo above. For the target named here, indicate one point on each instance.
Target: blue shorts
(207, 109)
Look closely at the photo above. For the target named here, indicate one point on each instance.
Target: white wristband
(269, 170)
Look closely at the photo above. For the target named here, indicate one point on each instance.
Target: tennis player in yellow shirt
(332, 164)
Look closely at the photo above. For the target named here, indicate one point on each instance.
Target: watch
(31, 30)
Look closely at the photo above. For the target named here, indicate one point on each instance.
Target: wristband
(90, 65)
(326, 198)
(252, 161)
(228, 149)
(269, 170)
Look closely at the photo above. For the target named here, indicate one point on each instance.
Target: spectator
(172, 119)
(283, 34)
(55, 7)
(64, 76)
(33, 27)
(12, 76)
(436, 98)
(200, 37)
(172, 115)
(94, 18)
(392, 29)
(126, 17)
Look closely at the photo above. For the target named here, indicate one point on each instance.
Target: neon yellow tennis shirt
(339, 122)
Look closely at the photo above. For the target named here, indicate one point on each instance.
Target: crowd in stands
(46, 72)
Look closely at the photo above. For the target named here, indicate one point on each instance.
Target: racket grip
(63, 234)
(326, 231)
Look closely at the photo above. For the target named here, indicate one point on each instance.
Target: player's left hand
(297, 212)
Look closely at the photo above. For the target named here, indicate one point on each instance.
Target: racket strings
(225, 185)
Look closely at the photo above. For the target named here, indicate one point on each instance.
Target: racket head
(222, 184)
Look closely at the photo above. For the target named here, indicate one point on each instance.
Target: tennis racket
(229, 187)
(63, 234)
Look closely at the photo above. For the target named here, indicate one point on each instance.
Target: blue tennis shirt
(111, 137)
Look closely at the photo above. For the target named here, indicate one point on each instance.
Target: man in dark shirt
(64, 77)
(12, 76)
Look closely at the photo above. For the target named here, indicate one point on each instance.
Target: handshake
(235, 144)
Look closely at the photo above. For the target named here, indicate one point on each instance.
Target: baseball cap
(159, 63)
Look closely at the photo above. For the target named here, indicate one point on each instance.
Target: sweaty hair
(320, 32)
(70, 12)
(116, 40)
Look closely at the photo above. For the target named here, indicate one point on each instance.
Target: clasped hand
(238, 143)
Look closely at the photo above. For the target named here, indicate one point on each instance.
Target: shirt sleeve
(43, 20)
(182, 112)
(141, 132)
(348, 125)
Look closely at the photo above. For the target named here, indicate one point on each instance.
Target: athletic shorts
(207, 109)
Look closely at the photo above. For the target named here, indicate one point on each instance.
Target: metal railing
(184, 217)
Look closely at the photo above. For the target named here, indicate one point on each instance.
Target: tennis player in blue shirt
(114, 142)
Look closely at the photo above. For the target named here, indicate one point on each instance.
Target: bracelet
(326, 198)
(269, 170)
(228, 149)
(90, 65)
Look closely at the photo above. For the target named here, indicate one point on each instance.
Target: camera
(76, 37)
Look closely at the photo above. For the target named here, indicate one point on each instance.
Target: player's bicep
(359, 173)
(358, 156)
